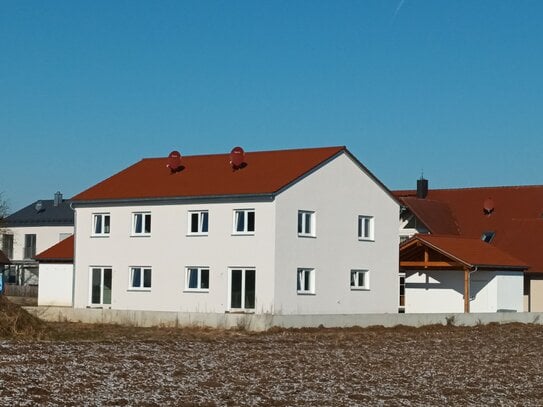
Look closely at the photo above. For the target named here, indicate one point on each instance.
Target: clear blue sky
(451, 87)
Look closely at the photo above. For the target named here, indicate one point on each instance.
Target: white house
(31, 230)
(307, 231)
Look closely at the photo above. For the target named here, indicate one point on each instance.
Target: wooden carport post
(466, 289)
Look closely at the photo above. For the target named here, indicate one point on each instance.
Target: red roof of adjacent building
(514, 214)
(63, 251)
(468, 251)
(266, 172)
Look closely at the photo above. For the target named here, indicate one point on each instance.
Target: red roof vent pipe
(174, 162)
(237, 158)
(488, 206)
(422, 188)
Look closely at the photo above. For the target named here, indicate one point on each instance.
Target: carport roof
(468, 252)
(63, 251)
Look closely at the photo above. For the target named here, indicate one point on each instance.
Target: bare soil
(77, 365)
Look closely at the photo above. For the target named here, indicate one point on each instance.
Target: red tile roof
(516, 218)
(437, 215)
(266, 172)
(3, 258)
(468, 251)
(63, 251)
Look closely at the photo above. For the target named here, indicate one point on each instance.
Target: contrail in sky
(400, 4)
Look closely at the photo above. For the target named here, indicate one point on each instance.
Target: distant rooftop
(44, 212)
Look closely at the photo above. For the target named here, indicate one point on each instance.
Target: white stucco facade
(442, 291)
(55, 286)
(336, 194)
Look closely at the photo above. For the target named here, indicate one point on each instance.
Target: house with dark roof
(306, 231)
(30, 230)
(471, 249)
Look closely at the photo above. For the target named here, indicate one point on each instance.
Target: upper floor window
(141, 224)
(305, 281)
(360, 280)
(140, 278)
(365, 228)
(197, 279)
(244, 221)
(100, 224)
(30, 246)
(198, 223)
(306, 223)
(7, 245)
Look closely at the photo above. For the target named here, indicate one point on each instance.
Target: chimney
(58, 199)
(422, 188)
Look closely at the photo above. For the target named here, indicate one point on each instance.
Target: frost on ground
(483, 365)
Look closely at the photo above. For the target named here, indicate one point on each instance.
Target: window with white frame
(100, 224)
(365, 228)
(244, 221)
(360, 280)
(197, 279)
(305, 281)
(306, 223)
(198, 222)
(140, 278)
(141, 223)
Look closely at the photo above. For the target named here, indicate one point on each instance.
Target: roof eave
(174, 199)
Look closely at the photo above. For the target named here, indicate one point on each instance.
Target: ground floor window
(140, 278)
(242, 288)
(306, 281)
(197, 279)
(360, 280)
(101, 285)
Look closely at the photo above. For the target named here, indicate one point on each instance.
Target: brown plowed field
(108, 365)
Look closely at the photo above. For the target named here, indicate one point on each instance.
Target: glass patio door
(242, 289)
(101, 286)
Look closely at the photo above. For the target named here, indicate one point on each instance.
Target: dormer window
(487, 236)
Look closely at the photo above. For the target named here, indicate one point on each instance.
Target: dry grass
(114, 365)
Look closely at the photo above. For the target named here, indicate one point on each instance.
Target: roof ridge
(338, 148)
(472, 188)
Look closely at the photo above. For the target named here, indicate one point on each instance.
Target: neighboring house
(307, 231)
(495, 229)
(30, 231)
(56, 270)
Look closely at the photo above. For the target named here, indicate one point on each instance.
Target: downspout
(73, 266)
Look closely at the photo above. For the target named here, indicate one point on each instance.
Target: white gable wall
(338, 193)
(169, 251)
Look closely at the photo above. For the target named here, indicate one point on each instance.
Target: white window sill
(140, 235)
(197, 234)
(145, 290)
(196, 290)
(306, 235)
(305, 293)
(366, 239)
(243, 233)
(240, 311)
(101, 235)
(360, 289)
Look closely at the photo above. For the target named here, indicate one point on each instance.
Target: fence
(21, 290)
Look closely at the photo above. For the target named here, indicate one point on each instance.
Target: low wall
(263, 322)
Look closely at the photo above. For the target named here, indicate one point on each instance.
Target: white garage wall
(55, 285)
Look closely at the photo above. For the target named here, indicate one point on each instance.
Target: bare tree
(4, 207)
